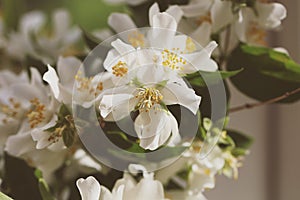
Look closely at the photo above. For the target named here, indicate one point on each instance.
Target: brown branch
(270, 101)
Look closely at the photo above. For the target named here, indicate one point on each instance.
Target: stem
(225, 49)
(270, 101)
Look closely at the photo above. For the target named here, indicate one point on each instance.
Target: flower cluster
(148, 75)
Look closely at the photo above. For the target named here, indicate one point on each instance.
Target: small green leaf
(38, 174)
(241, 140)
(68, 136)
(4, 197)
(43, 186)
(44, 190)
(63, 111)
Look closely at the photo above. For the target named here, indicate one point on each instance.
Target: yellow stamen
(172, 60)
(148, 97)
(120, 69)
(36, 114)
(136, 39)
(56, 135)
(190, 45)
(10, 110)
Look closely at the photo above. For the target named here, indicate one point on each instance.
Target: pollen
(10, 110)
(256, 34)
(56, 134)
(136, 39)
(147, 98)
(120, 69)
(190, 45)
(36, 114)
(172, 60)
(84, 83)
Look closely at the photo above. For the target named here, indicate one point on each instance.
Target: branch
(270, 101)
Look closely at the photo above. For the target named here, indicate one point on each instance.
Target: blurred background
(271, 171)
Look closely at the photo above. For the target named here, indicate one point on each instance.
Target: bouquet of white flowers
(139, 108)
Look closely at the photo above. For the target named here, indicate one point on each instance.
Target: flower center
(85, 84)
(56, 134)
(36, 114)
(120, 69)
(172, 60)
(136, 39)
(10, 110)
(148, 97)
(256, 34)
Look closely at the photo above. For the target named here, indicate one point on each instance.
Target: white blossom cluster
(144, 73)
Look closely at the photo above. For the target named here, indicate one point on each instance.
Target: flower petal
(89, 188)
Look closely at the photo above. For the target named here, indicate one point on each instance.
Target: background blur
(271, 171)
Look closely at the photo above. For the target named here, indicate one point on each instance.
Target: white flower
(249, 21)
(31, 39)
(250, 26)
(124, 189)
(202, 171)
(149, 91)
(12, 108)
(62, 81)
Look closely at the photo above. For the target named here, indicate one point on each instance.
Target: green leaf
(63, 112)
(267, 73)
(68, 136)
(241, 140)
(202, 79)
(43, 186)
(4, 197)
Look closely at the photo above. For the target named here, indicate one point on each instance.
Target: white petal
(52, 79)
(202, 34)
(221, 14)
(89, 188)
(200, 60)
(163, 32)
(61, 22)
(270, 14)
(153, 128)
(176, 12)
(120, 22)
(196, 9)
(153, 10)
(174, 93)
(67, 68)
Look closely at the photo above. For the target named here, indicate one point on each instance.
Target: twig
(270, 101)
(225, 49)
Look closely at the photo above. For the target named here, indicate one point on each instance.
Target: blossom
(62, 81)
(202, 171)
(124, 189)
(12, 109)
(148, 95)
(31, 39)
(248, 20)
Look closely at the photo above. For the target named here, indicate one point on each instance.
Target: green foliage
(267, 73)
(43, 186)
(210, 78)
